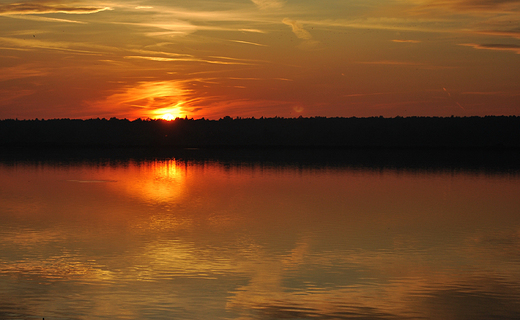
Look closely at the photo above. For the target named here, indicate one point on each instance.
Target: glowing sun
(169, 113)
(167, 116)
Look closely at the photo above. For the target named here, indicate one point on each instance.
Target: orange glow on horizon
(167, 117)
(169, 113)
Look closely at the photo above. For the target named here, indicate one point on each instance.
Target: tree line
(227, 132)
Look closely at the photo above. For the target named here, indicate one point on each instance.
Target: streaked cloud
(418, 24)
(252, 30)
(297, 29)
(39, 44)
(475, 5)
(41, 18)
(191, 59)
(248, 42)
(268, 4)
(506, 34)
(146, 97)
(406, 41)
(21, 71)
(7, 96)
(499, 47)
(162, 59)
(475, 8)
(491, 93)
(41, 8)
(353, 95)
(392, 63)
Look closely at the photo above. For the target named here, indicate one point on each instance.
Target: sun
(168, 113)
(167, 116)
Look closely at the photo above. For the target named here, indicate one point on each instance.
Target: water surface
(172, 239)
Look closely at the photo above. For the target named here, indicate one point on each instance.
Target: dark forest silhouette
(314, 132)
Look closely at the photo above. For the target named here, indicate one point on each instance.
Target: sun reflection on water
(160, 181)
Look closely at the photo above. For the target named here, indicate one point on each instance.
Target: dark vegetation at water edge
(481, 160)
(315, 132)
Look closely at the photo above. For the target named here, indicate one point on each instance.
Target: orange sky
(200, 58)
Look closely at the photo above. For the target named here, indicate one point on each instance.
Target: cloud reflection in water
(192, 240)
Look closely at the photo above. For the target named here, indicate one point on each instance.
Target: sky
(252, 58)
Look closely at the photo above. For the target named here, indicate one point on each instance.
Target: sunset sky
(202, 58)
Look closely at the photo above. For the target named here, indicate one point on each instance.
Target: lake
(173, 238)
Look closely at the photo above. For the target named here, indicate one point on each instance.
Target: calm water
(167, 239)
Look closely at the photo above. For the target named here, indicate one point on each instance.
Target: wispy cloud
(354, 95)
(38, 44)
(475, 5)
(248, 42)
(249, 61)
(161, 59)
(301, 33)
(506, 34)
(268, 4)
(499, 47)
(252, 30)
(191, 59)
(146, 97)
(406, 41)
(392, 63)
(390, 23)
(40, 18)
(418, 65)
(491, 93)
(10, 95)
(40, 8)
(172, 27)
(22, 71)
(297, 29)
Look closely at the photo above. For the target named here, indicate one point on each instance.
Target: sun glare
(169, 113)
(167, 116)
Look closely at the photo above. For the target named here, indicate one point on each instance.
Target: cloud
(181, 27)
(507, 34)
(45, 19)
(38, 8)
(491, 93)
(472, 5)
(388, 23)
(58, 46)
(252, 30)
(406, 41)
(392, 63)
(247, 42)
(417, 65)
(223, 60)
(147, 96)
(499, 47)
(8, 95)
(298, 29)
(161, 59)
(355, 95)
(268, 4)
(482, 4)
(19, 72)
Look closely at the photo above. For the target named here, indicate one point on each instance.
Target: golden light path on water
(205, 240)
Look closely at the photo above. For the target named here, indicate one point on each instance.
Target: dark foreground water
(182, 239)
